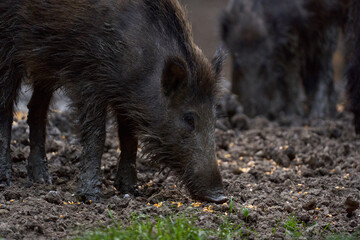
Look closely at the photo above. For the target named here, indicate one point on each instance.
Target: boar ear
(219, 60)
(175, 75)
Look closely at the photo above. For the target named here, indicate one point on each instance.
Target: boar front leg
(38, 108)
(93, 132)
(126, 178)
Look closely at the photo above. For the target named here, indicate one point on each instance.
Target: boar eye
(189, 119)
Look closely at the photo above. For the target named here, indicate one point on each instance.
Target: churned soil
(310, 169)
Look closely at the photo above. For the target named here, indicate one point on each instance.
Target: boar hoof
(5, 173)
(125, 188)
(39, 174)
(357, 124)
(5, 178)
(89, 198)
(89, 189)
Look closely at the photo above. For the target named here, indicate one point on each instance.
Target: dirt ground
(310, 169)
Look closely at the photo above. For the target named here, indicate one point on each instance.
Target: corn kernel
(61, 216)
(12, 200)
(158, 205)
(207, 209)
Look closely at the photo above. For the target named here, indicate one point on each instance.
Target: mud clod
(290, 152)
(351, 205)
(309, 205)
(12, 195)
(53, 197)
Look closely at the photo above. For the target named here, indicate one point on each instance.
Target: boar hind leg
(9, 84)
(6, 118)
(319, 83)
(126, 178)
(38, 108)
(93, 133)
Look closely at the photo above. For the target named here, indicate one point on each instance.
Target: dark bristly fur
(282, 53)
(262, 38)
(136, 57)
(326, 19)
(353, 71)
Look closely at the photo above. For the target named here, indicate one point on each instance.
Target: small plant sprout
(276, 226)
(245, 212)
(231, 205)
(293, 226)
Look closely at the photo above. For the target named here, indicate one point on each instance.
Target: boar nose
(213, 196)
(216, 199)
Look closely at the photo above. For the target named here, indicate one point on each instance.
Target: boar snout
(213, 196)
(208, 186)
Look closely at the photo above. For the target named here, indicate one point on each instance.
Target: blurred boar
(263, 40)
(282, 55)
(353, 72)
(325, 20)
(137, 58)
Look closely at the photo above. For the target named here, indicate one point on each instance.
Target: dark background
(204, 16)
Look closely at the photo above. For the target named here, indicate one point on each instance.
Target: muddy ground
(310, 169)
